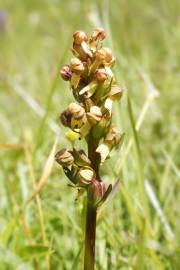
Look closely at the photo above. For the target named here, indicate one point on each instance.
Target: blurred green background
(140, 227)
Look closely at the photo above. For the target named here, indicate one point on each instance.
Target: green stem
(90, 237)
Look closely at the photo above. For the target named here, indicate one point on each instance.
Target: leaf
(105, 196)
(7, 232)
(46, 172)
(33, 251)
(4, 146)
(12, 261)
(140, 179)
(111, 193)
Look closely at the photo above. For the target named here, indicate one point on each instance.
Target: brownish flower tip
(76, 65)
(66, 73)
(100, 75)
(116, 92)
(79, 37)
(99, 34)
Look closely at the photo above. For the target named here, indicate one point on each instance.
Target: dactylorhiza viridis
(89, 117)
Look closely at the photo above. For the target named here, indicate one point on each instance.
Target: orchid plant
(94, 88)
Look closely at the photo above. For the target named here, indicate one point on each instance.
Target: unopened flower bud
(98, 34)
(100, 75)
(72, 136)
(115, 92)
(64, 157)
(76, 65)
(86, 175)
(79, 37)
(66, 73)
(95, 115)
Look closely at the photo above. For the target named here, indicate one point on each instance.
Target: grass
(139, 228)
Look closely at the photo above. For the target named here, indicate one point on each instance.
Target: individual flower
(66, 73)
(80, 37)
(112, 139)
(76, 66)
(98, 34)
(100, 75)
(73, 116)
(115, 92)
(64, 157)
(80, 47)
(86, 175)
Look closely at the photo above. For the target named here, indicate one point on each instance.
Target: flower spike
(95, 89)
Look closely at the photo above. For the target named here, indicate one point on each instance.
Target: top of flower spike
(94, 89)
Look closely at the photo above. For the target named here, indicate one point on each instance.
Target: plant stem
(90, 237)
(91, 211)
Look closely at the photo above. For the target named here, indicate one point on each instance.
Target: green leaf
(34, 251)
(7, 232)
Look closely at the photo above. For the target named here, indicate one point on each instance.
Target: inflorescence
(95, 89)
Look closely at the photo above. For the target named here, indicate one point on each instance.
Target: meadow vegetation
(40, 219)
